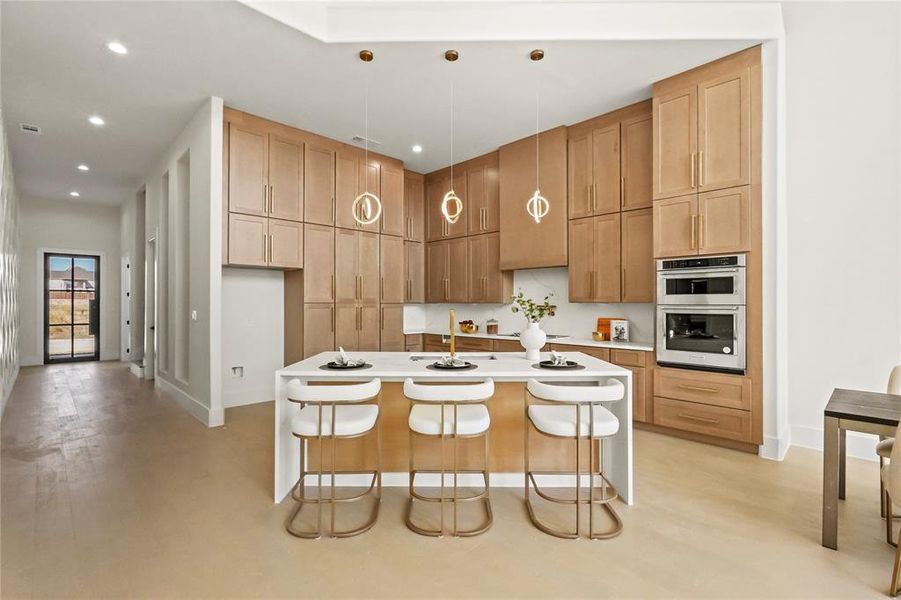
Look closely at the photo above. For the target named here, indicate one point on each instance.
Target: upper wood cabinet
(447, 271)
(487, 283)
(675, 142)
(483, 197)
(319, 253)
(414, 272)
(357, 258)
(709, 223)
(263, 242)
(525, 244)
(353, 176)
(435, 189)
(391, 268)
(414, 206)
(637, 162)
(319, 184)
(393, 221)
(581, 260)
(265, 173)
(285, 244)
(594, 265)
(638, 272)
(285, 178)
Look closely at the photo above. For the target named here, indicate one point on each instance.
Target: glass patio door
(71, 308)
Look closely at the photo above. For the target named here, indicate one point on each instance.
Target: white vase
(532, 339)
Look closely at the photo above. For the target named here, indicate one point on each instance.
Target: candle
(452, 332)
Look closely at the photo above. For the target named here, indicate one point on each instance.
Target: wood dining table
(850, 410)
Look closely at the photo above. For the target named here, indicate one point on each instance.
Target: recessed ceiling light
(96, 120)
(117, 47)
(74, 194)
(417, 148)
(84, 168)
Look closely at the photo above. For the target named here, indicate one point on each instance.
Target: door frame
(45, 300)
(151, 300)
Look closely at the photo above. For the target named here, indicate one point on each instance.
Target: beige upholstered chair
(885, 445)
(891, 479)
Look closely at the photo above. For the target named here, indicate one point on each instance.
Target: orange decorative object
(604, 325)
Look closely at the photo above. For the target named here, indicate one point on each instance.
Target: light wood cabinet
(248, 170)
(413, 342)
(319, 255)
(724, 131)
(606, 170)
(247, 240)
(637, 158)
(709, 223)
(353, 176)
(580, 179)
(318, 328)
(285, 179)
(594, 265)
(675, 226)
(526, 244)
(285, 244)
(414, 272)
(368, 265)
(487, 283)
(356, 266)
(370, 329)
(414, 206)
(357, 328)
(392, 328)
(391, 269)
(438, 227)
(393, 221)
(447, 271)
(483, 198)
(638, 273)
(319, 184)
(675, 142)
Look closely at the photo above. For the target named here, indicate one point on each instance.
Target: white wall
(66, 225)
(843, 201)
(576, 319)
(9, 273)
(253, 321)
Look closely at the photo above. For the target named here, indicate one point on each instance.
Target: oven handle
(694, 272)
(702, 308)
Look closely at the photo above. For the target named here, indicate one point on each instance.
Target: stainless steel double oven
(701, 313)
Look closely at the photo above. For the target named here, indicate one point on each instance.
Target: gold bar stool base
(298, 497)
(603, 498)
(481, 496)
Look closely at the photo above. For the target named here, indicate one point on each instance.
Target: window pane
(60, 308)
(60, 344)
(83, 274)
(84, 341)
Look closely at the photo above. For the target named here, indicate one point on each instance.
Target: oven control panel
(702, 263)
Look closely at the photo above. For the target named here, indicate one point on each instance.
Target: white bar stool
(335, 412)
(449, 411)
(574, 412)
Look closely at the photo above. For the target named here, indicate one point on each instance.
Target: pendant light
(537, 206)
(451, 205)
(367, 207)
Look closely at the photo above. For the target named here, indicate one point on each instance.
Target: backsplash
(575, 319)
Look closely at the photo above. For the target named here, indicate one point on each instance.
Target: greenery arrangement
(534, 312)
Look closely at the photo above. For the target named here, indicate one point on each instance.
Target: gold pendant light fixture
(537, 206)
(451, 205)
(367, 207)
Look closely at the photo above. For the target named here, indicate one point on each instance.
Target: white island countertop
(562, 340)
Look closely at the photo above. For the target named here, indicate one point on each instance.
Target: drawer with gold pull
(716, 421)
(717, 389)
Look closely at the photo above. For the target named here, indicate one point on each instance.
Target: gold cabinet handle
(699, 388)
(622, 191)
(332, 315)
(331, 216)
(701, 167)
(265, 199)
(333, 287)
(446, 286)
(700, 231)
(265, 240)
(382, 288)
(692, 170)
(701, 419)
(382, 318)
(270, 248)
(271, 202)
(622, 284)
(693, 230)
(594, 197)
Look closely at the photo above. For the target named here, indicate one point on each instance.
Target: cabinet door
(607, 264)
(319, 256)
(579, 176)
(368, 266)
(347, 327)
(638, 256)
(724, 131)
(391, 269)
(247, 240)
(248, 166)
(492, 200)
(436, 271)
(414, 207)
(641, 400)
(285, 244)
(478, 263)
(319, 184)
(458, 229)
(605, 169)
(371, 181)
(637, 163)
(475, 198)
(318, 328)
(724, 221)
(581, 260)
(498, 284)
(347, 184)
(414, 265)
(392, 328)
(457, 270)
(370, 328)
(285, 179)
(346, 266)
(675, 122)
(675, 226)
(436, 224)
(392, 221)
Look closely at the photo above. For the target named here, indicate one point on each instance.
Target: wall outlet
(193, 315)
(237, 371)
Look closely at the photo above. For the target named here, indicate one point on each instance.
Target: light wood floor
(110, 490)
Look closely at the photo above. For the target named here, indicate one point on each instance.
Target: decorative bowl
(468, 328)
(598, 336)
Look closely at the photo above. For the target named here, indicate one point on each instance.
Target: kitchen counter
(563, 341)
(509, 370)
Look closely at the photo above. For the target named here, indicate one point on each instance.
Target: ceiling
(56, 71)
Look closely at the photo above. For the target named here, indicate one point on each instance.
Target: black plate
(338, 367)
(549, 364)
(443, 367)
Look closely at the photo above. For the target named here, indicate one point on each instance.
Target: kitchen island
(509, 370)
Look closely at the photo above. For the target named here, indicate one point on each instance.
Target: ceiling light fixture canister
(537, 206)
(451, 205)
(367, 207)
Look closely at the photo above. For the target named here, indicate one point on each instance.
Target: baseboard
(136, 369)
(775, 448)
(195, 408)
(857, 445)
(8, 390)
(245, 397)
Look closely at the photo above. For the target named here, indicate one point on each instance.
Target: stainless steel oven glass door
(701, 286)
(702, 336)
